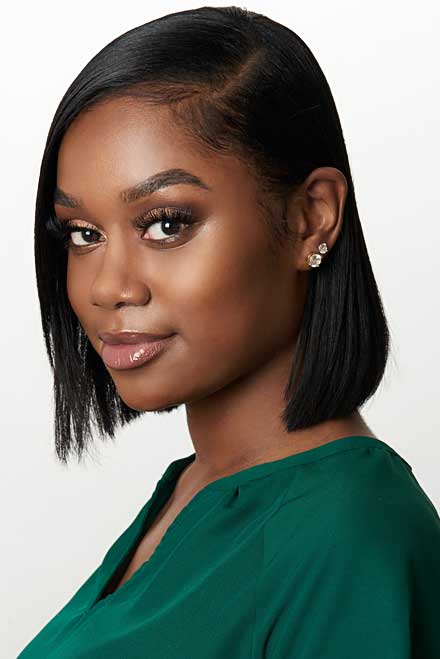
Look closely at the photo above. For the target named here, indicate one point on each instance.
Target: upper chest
(151, 539)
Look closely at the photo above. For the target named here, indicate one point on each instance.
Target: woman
(198, 243)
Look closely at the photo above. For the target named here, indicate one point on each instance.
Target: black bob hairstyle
(243, 84)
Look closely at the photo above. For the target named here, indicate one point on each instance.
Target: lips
(130, 354)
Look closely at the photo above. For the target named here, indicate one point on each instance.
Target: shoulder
(351, 562)
(367, 499)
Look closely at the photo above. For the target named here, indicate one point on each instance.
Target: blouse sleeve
(366, 590)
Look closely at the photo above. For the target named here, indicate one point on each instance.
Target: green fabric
(333, 553)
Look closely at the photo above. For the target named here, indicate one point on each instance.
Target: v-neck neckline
(164, 489)
(112, 570)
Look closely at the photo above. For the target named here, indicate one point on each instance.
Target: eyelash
(61, 230)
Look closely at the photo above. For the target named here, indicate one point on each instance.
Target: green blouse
(332, 553)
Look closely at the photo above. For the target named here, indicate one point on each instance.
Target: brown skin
(236, 308)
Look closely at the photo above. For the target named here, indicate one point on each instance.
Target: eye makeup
(62, 230)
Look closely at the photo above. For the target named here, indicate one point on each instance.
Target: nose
(118, 281)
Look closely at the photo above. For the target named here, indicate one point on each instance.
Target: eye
(166, 219)
(63, 230)
(82, 236)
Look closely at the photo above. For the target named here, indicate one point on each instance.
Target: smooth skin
(234, 305)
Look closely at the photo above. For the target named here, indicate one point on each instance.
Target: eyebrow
(155, 182)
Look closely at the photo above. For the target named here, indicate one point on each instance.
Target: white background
(381, 60)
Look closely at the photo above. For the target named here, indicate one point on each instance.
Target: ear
(317, 211)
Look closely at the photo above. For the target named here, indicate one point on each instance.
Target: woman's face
(231, 303)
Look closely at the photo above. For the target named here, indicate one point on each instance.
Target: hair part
(236, 82)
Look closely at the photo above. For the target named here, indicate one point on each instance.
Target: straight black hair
(238, 83)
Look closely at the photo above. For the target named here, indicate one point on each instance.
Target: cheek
(77, 290)
(234, 299)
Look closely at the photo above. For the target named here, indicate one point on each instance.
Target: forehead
(120, 142)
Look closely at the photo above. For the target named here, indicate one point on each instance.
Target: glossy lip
(122, 356)
(130, 337)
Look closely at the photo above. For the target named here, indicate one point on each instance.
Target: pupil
(168, 223)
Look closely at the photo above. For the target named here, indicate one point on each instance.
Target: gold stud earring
(314, 259)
